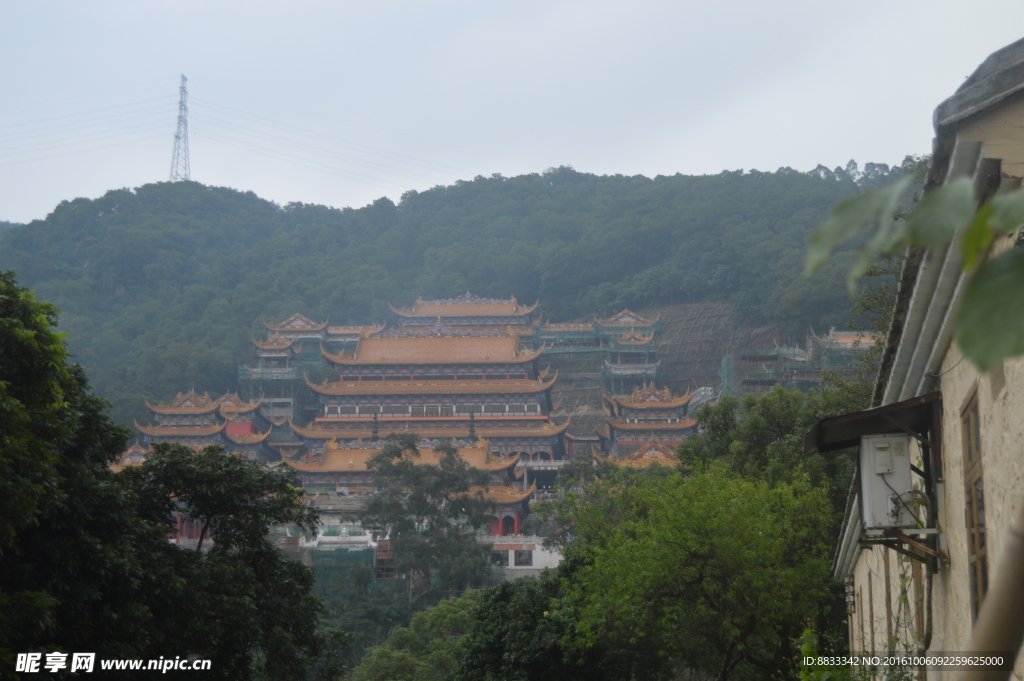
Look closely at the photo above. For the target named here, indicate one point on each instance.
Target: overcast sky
(342, 102)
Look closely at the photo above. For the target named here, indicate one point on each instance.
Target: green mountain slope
(163, 287)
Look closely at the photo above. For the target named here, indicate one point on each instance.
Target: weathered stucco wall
(1001, 132)
(1001, 416)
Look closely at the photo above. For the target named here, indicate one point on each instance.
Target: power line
(162, 135)
(322, 153)
(179, 160)
(319, 138)
(34, 147)
(297, 160)
(77, 117)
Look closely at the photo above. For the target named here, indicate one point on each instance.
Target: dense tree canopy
(428, 649)
(715, 572)
(431, 517)
(86, 562)
(163, 286)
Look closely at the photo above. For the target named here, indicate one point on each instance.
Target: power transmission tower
(179, 161)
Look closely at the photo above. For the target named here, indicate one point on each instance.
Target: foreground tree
(250, 608)
(519, 634)
(431, 518)
(715, 573)
(78, 569)
(85, 561)
(428, 649)
(761, 438)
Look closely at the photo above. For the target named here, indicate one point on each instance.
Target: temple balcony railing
(563, 350)
(247, 373)
(546, 465)
(650, 370)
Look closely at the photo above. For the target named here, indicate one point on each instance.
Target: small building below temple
(342, 469)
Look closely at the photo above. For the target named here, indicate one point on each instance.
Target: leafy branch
(990, 322)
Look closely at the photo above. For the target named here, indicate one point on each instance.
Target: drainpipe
(1000, 625)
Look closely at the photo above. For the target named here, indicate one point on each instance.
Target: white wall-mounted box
(886, 487)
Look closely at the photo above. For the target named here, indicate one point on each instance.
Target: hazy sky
(342, 102)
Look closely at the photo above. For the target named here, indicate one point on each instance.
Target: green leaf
(977, 238)
(1007, 211)
(990, 326)
(849, 217)
(941, 213)
(882, 236)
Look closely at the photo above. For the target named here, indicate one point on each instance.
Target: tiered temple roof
(181, 431)
(648, 414)
(199, 421)
(466, 305)
(134, 456)
(353, 458)
(296, 323)
(275, 342)
(648, 398)
(443, 348)
(186, 403)
(627, 318)
(653, 453)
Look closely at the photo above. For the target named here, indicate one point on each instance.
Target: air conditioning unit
(886, 488)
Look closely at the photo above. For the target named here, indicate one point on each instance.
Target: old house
(917, 557)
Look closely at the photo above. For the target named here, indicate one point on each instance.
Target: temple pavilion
(625, 340)
(133, 456)
(291, 349)
(648, 415)
(198, 421)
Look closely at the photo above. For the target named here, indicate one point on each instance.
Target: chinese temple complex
(472, 371)
(460, 369)
(514, 394)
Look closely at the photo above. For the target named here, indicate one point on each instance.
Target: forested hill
(163, 287)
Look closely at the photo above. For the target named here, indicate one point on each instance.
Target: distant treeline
(162, 288)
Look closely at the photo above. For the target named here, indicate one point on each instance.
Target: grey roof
(999, 76)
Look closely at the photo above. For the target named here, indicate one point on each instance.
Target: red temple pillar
(516, 525)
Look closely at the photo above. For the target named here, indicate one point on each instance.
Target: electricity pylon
(179, 161)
